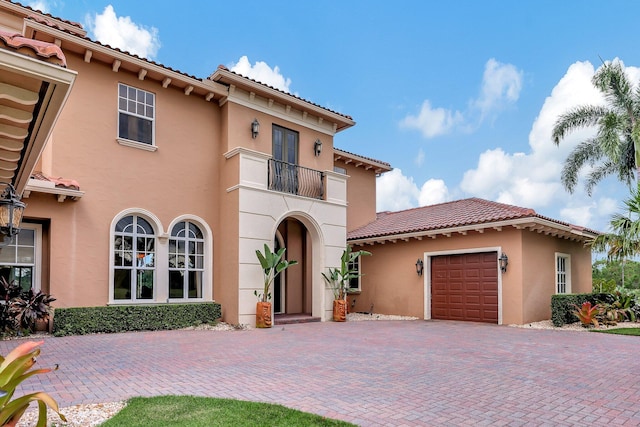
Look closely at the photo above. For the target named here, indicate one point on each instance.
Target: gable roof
(462, 216)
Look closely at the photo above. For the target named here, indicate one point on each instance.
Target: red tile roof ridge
(447, 215)
(224, 68)
(70, 184)
(48, 51)
(72, 23)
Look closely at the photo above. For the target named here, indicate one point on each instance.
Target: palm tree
(623, 241)
(615, 149)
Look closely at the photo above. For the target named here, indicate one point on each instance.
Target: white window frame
(36, 275)
(132, 142)
(186, 269)
(351, 290)
(563, 277)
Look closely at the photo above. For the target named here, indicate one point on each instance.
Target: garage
(465, 287)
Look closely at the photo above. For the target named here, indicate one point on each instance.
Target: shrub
(20, 309)
(14, 369)
(123, 318)
(587, 314)
(563, 306)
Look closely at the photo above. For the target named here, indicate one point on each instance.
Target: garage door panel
(465, 287)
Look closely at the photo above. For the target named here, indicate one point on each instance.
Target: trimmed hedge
(563, 305)
(123, 318)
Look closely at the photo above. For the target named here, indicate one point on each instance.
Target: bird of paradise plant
(14, 369)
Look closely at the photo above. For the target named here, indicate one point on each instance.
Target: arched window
(134, 259)
(186, 261)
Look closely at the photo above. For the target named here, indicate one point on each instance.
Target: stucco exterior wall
(361, 194)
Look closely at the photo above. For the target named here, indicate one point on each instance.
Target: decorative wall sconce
(255, 128)
(504, 261)
(317, 147)
(11, 210)
(419, 267)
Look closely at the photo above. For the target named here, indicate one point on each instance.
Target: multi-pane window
(186, 261)
(136, 114)
(354, 282)
(18, 260)
(134, 259)
(563, 274)
(285, 144)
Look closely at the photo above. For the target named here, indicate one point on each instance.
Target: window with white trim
(136, 114)
(354, 282)
(134, 259)
(186, 261)
(20, 260)
(563, 273)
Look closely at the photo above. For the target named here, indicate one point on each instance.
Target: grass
(620, 331)
(191, 411)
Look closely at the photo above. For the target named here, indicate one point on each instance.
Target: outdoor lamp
(503, 260)
(419, 267)
(255, 128)
(11, 210)
(317, 147)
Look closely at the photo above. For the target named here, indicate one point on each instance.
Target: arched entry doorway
(292, 290)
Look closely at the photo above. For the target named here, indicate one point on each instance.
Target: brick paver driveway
(369, 373)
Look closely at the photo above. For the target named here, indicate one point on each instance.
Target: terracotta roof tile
(371, 159)
(222, 67)
(33, 48)
(75, 24)
(69, 184)
(445, 215)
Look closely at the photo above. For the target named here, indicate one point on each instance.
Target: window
(563, 273)
(338, 169)
(186, 261)
(20, 260)
(136, 114)
(285, 145)
(354, 282)
(134, 259)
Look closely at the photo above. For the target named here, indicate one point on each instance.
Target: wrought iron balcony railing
(293, 179)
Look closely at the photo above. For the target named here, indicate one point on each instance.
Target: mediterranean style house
(146, 185)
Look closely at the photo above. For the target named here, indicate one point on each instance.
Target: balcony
(293, 179)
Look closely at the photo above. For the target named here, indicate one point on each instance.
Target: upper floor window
(563, 273)
(285, 144)
(186, 261)
(134, 259)
(338, 169)
(136, 114)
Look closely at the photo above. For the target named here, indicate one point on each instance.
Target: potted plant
(338, 280)
(272, 264)
(31, 310)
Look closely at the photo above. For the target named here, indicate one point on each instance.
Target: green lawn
(190, 411)
(620, 331)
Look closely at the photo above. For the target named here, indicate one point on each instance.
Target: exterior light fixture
(11, 210)
(504, 261)
(255, 128)
(419, 267)
(317, 147)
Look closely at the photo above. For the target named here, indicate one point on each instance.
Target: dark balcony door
(285, 149)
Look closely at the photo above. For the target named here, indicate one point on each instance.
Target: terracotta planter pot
(263, 314)
(41, 325)
(339, 310)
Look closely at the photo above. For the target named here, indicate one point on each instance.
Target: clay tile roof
(69, 184)
(371, 159)
(75, 24)
(34, 48)
(52, 22)
(223, 68)
(459, 213)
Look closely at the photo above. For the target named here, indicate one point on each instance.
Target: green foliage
(272, 264)
(123, 318)
(14, 369)
(621, 309)
(192, 411)
(604, 272)
(563, 306)
(338, 278)
(619, 305)
(21, 308)
(587, 313)
(620, 331)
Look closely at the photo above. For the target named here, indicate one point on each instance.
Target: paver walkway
(382, 373)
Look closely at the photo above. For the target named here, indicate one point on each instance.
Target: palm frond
(577, 118)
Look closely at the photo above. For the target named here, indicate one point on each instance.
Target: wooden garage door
(465, 287)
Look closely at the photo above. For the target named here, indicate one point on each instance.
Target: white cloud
(261, 72)
(41, 5)
(420, 157)
(433, 191)
(432, 121)
(123, 33)
(395, 192)
(500, 87)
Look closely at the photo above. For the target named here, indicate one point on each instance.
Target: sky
(459, 96)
